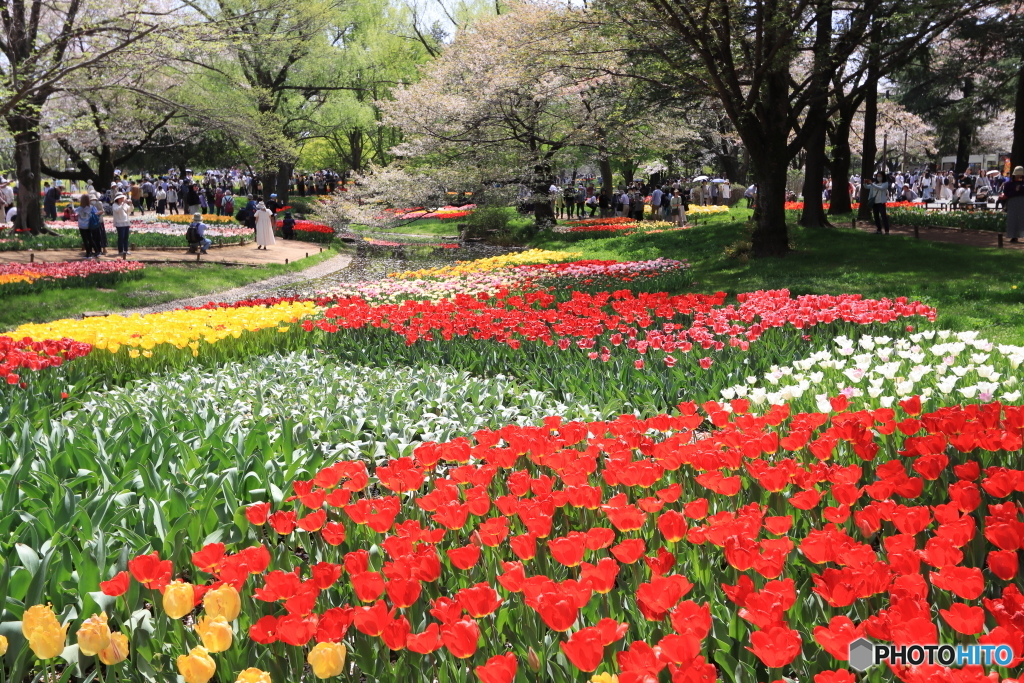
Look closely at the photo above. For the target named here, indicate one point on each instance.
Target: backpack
(95, 222)
(242, 216)
(192, 234)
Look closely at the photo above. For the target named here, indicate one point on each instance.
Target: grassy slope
(157, 285)
(973, 288)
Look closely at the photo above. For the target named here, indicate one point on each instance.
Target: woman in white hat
(122, 223)
(264, 226)
(1012, 197)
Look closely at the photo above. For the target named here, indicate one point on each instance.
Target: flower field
(526, 467)
(19, 278)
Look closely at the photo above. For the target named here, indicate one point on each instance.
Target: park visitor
(264, 226)
(288, 226)
(51, 195)
(172, 199)
(121, 224)
(678, 207)
(195, 235)
(87, 217)
(878, 196)
(1012, 197)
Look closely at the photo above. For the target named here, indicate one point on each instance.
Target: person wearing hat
(1012, 197)
(273, 205)
(288, 226)
(264, 226)
(195, 234)
(122, 223)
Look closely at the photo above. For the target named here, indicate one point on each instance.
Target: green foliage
(499, 224)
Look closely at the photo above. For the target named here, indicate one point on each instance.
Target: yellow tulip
(117, 651)
(197, 666)
(327, 659)
(179, 599)
(36, 617)
(604, 678)
(253, 675)
(94, 635)
(223, 602)
(215, 633)
(3, 646)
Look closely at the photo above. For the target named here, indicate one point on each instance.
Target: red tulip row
(25, 354)
(764, 542)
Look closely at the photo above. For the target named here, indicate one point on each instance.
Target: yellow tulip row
(180, 328)
(484, 265)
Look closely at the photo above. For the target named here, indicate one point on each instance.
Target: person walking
(877, 197)
(87, 218)
(656, 198)
(50, 198)
(678, 208)
(726, 192)
(122, 224)
(161, 200)
(172, 199)
(1012, 197)
(192, 199)
(264, 226)
(288, 226)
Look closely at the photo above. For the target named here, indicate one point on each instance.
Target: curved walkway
(255, 289)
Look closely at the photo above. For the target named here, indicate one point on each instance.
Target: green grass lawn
(430, 226)
(157, 285)
(972, 288)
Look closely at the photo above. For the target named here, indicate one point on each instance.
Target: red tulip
(426, 642)
(257, 513)
(117, 585)
(333, 624)
(568, 550)
(498, 669)
(525, 547)
(264, 631)
(461, 637)
(333, 533)
(395, 633)
(964, 619)
(325, 574)
(672, 526)
(837, 637)
(776, 647)
(479, 600)
(964, 582)
(585, 648)
(679, 649)
(371, 620)
(1002, 563)
(296, 630)
(465, 557)
(151, 571)
(282, 522)
(403, 592)
(368, 586)
(602, 575)
(629, 550)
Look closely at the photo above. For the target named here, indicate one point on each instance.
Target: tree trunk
(27, 160)
(867, 164)
(813, 215)
(841, 159)
(284, 176)
(767, 140)
(607, 177)
(543, 212)
(770, 237)
(964, 133)
(1017, 150)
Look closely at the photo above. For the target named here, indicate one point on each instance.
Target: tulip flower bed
(709, 543)
(311, 231)
(990, 221)
(444, 213)
(943, 366)
(208, 218)
(20, 278)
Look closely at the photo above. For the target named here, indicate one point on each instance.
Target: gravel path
(328, 267)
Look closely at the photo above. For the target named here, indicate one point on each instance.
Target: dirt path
(285, 251)
(969, 238)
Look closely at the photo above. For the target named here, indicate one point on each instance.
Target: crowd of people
(668, 200)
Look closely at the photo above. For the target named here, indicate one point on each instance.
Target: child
(288, 226)
(69, 213)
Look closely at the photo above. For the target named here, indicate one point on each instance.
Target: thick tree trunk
(813, 215)
(543, 212)
(27, 160)
(284, 176)
(867, 165)
(770, 237)
(841, 159)
(1017, 150)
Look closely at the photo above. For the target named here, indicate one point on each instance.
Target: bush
(500, 225)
